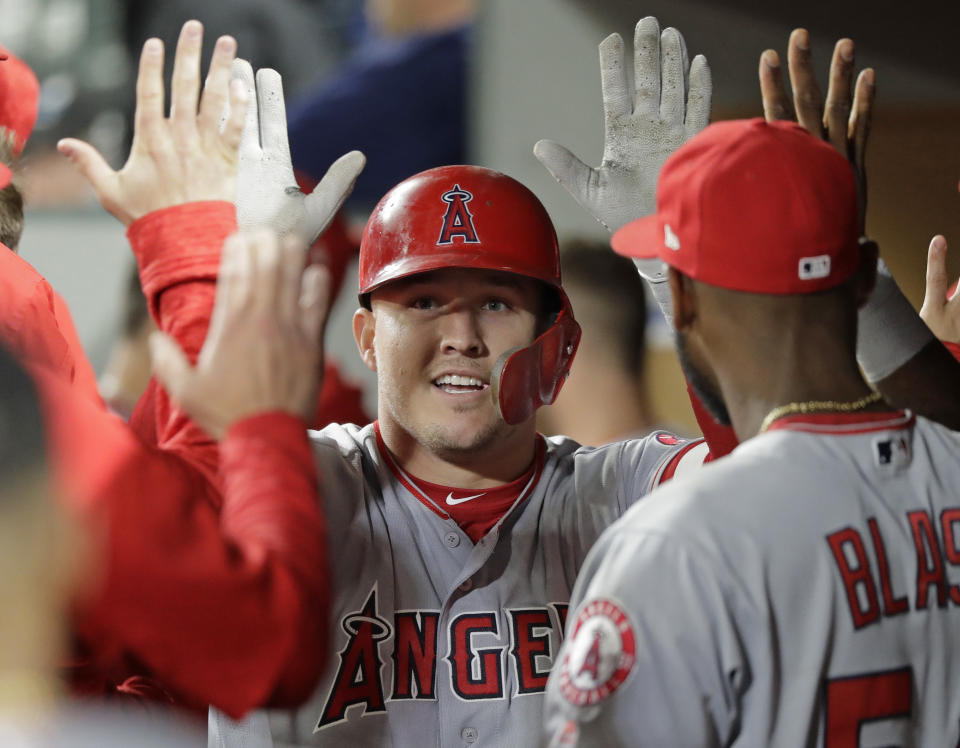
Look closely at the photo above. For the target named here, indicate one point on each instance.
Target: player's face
(436, 338)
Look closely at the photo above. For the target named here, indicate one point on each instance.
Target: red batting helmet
(471, 217)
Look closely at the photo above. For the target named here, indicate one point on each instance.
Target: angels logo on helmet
(458, 220)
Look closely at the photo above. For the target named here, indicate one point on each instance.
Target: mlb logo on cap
(753, 206)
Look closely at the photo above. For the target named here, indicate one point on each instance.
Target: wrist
(179, 244)
(890, 332)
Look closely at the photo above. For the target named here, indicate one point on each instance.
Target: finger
(836, 115)
(273, 114)
(233, 129)
(185, 84)
(613, 78)
(93, 167)
(314, 302)
(171, 366)
(776, 104)
(698, 100)
(214, 100)
(938, 281)
(672, 85)
(266, 281)
(243, 71)
(566, 168)
(148, 117)
(646, 67)
(860, 117)
(321, 205)
(235, 281)
(807, 99)
(293, 255)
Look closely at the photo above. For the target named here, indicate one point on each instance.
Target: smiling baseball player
(802, 591)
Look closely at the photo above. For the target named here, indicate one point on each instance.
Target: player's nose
(460, 332)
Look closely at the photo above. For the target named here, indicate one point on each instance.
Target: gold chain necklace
(811, 405)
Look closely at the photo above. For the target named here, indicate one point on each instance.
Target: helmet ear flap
(523, 379)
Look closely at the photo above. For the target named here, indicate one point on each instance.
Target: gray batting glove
(670, 104)
(267, 193)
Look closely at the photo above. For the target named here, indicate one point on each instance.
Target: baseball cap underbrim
(641, 239)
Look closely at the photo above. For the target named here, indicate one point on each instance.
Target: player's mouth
(459, 384)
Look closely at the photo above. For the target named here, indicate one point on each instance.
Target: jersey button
(466, 586)
(469, 734)
(452, 539)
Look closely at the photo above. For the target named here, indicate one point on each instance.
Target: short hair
(22, 440)
(11, 201)
(607, 293)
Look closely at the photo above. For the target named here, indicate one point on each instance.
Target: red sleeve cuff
(276, 432)
(179, 244)
(954, 348)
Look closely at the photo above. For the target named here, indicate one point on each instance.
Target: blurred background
(416, 83)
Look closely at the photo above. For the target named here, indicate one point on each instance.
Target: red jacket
(224, 605)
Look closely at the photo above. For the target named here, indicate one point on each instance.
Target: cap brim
(640, 239)
(6, 176)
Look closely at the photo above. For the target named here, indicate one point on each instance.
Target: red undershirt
(475, 510)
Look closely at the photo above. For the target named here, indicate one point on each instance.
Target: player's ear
(363, 329)
(684, 299)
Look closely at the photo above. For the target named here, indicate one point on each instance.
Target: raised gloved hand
(670, 104)
(267, 193)
(641, 127)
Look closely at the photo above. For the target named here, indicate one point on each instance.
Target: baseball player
(802, 590)
(457, 532)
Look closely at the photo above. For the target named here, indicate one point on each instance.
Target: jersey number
(855, 700)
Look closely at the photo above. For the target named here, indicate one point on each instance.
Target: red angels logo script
(601, 654)
(457, 221)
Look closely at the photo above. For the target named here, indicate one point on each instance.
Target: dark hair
(11, 201)
(607, 293)
(22, 442)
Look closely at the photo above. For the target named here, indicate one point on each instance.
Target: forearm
(178, 255)
(228, 610)
(927, 385)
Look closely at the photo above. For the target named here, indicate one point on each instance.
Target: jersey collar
(843, 424)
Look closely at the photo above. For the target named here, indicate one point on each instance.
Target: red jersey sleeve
(227, 607)
(178, 254)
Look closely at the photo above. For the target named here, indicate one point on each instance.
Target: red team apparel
(436, 637)
(802, 591)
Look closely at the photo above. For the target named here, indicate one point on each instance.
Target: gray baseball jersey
(438, 641)
(802, 591)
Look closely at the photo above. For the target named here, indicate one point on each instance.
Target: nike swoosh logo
(453, 502)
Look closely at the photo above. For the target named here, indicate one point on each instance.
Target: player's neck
(800, 373)
(502, 460)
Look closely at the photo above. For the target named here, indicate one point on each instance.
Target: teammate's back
(823, 557)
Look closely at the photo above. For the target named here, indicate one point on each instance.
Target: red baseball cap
(755, 206)
(19, 97)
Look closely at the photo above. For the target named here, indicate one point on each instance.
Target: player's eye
(424, 303)
(495, 305)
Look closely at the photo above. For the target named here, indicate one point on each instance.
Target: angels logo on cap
(457, 221)
(601, 654)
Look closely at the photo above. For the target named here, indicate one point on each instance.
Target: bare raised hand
(186, 157)
(842, 119)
